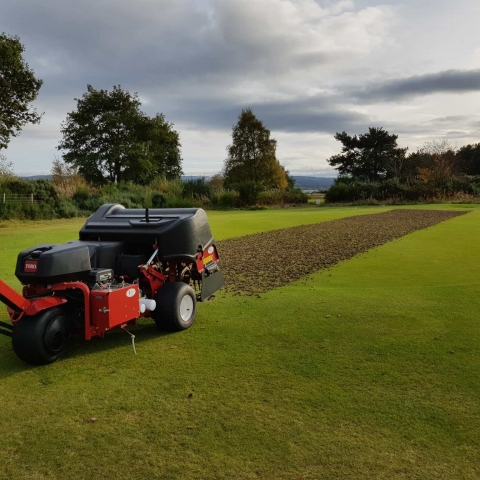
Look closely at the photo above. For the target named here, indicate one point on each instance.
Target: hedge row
(350, 191)
(49, 204)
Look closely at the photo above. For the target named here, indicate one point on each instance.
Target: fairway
(369, 369)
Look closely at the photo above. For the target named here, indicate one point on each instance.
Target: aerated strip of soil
(263, 261)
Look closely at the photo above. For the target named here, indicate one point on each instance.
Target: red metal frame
(9, 296)
(90, 330)
(155, 279)
(24, 306)
(151, 280)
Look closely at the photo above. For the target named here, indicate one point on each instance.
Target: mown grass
(367, 370)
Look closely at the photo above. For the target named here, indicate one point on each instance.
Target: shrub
(393, 191)
(81, 194)
(67, 209)
(172, 187)
(129, 199)
(280, 197)
(339, 192)
(197, 188)
(26, 211)
(201, 201)
(66, 178)
(42, 190)
(158, 200)
(295, 196)
(86, 201)
(271, 197)
(248, 192)
(172, 201)
(225, 199)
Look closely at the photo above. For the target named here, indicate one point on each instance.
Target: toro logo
(30, 266)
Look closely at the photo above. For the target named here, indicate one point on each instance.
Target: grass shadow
(11, 365)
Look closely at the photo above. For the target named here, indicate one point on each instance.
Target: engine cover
(47, 264)
(66, 262)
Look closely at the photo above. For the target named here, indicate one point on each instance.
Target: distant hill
(36, 177)
(303, 182)
(313, 183)
(187, 178)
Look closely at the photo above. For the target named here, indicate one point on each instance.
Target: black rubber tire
(167, 314)
(42, 339)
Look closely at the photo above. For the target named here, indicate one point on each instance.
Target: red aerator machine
(127, 264)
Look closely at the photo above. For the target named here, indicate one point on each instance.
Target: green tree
(252, 155)
(18, 88)
(108, 139)
(469, 159)
(371, 156)
(163, 148)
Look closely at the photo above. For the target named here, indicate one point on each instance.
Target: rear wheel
(176, 307)
(42, 339)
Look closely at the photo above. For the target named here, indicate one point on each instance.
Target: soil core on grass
(264, 261)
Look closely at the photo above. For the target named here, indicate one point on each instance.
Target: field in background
(314, 198)
(367, 370)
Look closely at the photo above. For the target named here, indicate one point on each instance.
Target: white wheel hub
(186, 308)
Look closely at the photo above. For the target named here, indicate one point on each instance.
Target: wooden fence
(19, 198)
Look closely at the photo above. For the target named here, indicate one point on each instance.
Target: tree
(290, 179)
(163, 148)
(437, 162)
(18, 88)
(216, 181)
(109, 139)
(66, 178)
(252, 155)
(6, 168)
(469, 159)
(371, 156)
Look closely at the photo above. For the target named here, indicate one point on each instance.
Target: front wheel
(176, 307)
(43, 338)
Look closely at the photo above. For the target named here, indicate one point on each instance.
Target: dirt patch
(263, 261)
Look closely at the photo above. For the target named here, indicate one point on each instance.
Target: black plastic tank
(176, 231)
(67, 262)
(46, 264)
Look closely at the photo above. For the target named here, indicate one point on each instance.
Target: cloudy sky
(307, 68)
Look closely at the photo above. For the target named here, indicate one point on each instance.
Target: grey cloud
(149, 44)
(452, 127)
(295, 118)
(191, 60)
(453, 81)
(315, 114)
(171, 44)
(451, 119)
(458, 134)
(201, 61)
